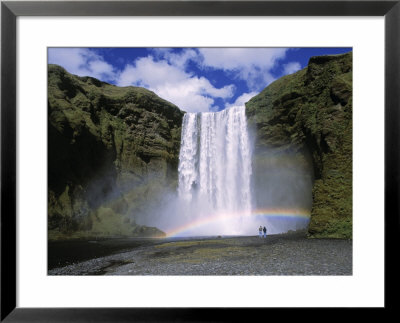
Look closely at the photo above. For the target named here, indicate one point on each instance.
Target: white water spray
(215, 162)
(218, 193)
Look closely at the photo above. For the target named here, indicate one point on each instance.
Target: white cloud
(148, 72)
(179, 59)
(82, 62)
(99, 68)
(236, 58)
(291, 68)
(252, 65)
(171, 82)
(241, 100)
(166, 77)
(166, 72)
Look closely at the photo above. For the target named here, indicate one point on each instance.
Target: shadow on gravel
(63, 253)
(112, 264)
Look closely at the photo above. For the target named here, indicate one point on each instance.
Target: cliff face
(111, 150)
(308, 116)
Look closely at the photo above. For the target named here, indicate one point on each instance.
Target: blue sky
(195, 79)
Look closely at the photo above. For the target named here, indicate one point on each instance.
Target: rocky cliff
(110, 151)
(308, 116)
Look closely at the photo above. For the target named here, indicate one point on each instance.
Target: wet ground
(63, 253)
(286, 254)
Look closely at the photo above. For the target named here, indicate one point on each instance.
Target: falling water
(215, 162)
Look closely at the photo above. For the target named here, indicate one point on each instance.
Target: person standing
(260, 231)
(265, 232)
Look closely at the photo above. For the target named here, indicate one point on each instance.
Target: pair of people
(261, 230)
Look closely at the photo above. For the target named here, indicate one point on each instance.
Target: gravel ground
(287, 254)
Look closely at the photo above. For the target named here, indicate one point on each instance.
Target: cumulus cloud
(241, 100)
(291, 68)
(236, 58)
(252, 65)
(171, 82)
(167, 72)
(82, 62)
(179, 59)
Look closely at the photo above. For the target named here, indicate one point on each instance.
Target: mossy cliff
(110, 151)
(308, 115)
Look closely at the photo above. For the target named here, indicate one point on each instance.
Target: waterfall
(215, 162)
(218, 194)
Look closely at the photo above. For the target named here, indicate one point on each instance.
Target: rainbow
(272, 213)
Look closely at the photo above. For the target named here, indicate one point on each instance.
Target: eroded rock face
(308, 116)
(110, 151)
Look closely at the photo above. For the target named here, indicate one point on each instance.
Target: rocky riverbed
(284, 254)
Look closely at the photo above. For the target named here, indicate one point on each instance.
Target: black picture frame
(10, 10)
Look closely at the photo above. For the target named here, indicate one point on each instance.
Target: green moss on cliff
(110, 150)
(310, 113)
